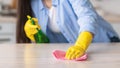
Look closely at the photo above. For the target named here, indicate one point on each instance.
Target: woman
(74, 21)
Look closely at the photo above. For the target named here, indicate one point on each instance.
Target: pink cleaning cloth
(60, 55)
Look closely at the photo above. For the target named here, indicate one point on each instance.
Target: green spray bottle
(40, 37)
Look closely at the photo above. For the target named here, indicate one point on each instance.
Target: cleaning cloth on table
(58, 54)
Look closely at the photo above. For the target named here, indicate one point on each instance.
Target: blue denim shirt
(73, 17)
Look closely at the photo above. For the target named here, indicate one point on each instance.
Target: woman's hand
(74, 52)
(31, 29)
(80, 46)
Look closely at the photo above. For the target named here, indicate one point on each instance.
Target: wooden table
(100, 55)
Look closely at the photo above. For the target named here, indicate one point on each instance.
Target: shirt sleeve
(87, 16)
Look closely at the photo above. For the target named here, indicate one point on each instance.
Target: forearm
(84, 40)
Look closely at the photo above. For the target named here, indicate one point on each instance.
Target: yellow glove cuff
(84, 39)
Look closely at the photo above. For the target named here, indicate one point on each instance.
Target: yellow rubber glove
(30, 29)
(80, 46)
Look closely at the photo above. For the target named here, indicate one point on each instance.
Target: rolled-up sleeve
(85, 14)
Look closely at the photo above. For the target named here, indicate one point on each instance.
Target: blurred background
(7, 21)
(108, 9)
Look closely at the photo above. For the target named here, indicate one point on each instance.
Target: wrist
(84, 40)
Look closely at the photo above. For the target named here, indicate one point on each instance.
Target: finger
(73, 56)
(79, 55)
(32, 26)
(67, 54)
(68, 51)
(77, 52)
(74, 53)
(68, 57)
(29, 22)
(36, 22)
(35, 19)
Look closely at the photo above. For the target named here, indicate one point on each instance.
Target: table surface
(40, 56)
